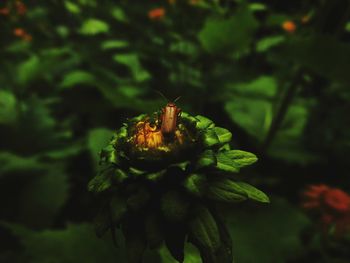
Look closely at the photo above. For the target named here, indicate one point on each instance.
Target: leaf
(94, 26)
(12, 163)
(72, 7)
(114, 44)
(28, 70)
(8, 107)
(71, 244)
(153, 231)
(210, 138)
(119, 14)
(226, 163)
(45, 195)
(135, 241)
(254, 193)
(98, 139)
(175, 237)
(266, 43)
(203, 230)
(224, 135)
(206, 159)
(196, 184)
(203, 122)
(77, 77)
(133, 63)
(228, 34)
(250, 229)
(242, 158)
(226, 190)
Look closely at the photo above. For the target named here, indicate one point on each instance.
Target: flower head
(289, 26)
(156, 13)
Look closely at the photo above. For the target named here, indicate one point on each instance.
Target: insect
(169, 118)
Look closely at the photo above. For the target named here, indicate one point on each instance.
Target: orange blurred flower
(305, 19)
(19, 32)
(4, 11)
(27, 37)
(289, 26)
(21, 8)
(330, 205)
(156, 13)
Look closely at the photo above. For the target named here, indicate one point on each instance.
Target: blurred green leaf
(94, 26)
(119, 14)
(12, 163)
(266, 43)
(114, 44)
(72, 7)
(97, 139)
(28, 70)
(132, 61)
(73, 244)
(77, 77)
(229, 34)
(8, 107)
(44, 195)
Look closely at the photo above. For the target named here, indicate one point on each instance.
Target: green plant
(167, 189)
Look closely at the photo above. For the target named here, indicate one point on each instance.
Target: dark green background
(92, 64)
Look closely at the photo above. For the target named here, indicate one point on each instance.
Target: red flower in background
(4, 11)
(156, 13)
(289, 26)
(21, 8)
(330, 205)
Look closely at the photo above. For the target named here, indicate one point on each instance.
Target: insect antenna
(177, 99)
(162, 95)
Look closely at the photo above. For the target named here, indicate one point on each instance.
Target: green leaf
(224, 135)
(72, 7)
(153, 231)
(196, 184)
(114, 44)
(100, 183)
(241, 158)
(203, 230)
(226, 190)
(119, 14)
(206, 159)
(28, 70)
(226, 163)
(94, 26)
(77, 77)
(254, 193)
(12, 163)
(269, 42)
(174, 206)
(45, 195)
(8, 107)
(132, 61)
(203, 122)
(71, 244)
(97, 139)
(229, 34)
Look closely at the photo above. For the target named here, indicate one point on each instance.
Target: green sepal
(102, 223)
(138, 199)
(117, 209)
(204, 123)
(188, 119)
(175, 236)
(135, 241)
(100, 183)
(174, 206)
(224, 135)
(241, 158)
(203, 230)
(226, 163)
(196, 184)
(254, 193)
(119, 176)
(153, 231)
(226, 190)
(210, 138)
(156, 176)
(206, 159)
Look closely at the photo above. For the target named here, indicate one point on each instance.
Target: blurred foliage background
(275, 73)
